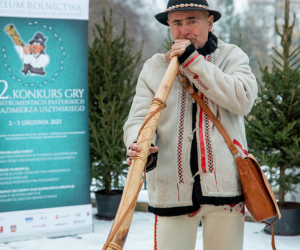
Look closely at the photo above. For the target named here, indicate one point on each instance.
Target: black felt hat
(39, 38)
(184, 5)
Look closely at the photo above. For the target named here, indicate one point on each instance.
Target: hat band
(188, 5)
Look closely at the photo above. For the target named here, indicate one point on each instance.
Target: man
(193, 175)
(34, 57)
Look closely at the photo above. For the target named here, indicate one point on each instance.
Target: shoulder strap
(185, 83)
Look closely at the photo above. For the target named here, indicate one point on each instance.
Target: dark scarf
(209, 47)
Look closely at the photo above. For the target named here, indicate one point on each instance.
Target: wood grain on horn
(136, 168)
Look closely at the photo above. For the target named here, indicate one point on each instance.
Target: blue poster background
(44, 144)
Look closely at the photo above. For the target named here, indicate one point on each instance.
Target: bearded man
(191, 173)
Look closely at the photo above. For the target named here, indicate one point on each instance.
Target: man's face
(191, 25)
(36, 48)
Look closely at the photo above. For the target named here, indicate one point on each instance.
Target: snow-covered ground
(141, 237)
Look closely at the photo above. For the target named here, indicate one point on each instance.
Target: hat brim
(36, 40)
(163, 16)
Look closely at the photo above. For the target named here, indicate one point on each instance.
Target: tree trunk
(281, 190)
(281, 196)
(107, 185)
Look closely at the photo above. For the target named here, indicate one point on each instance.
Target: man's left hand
(179, 47)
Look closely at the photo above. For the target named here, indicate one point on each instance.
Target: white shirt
(36, 61)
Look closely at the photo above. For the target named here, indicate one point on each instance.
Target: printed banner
(48, 222)
(44, 141)
(65, 9)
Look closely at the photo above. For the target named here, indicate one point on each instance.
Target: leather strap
(273, 237)
(186, 84)
(132, 205)
(115, 246)
(133, 202)
(161, 106)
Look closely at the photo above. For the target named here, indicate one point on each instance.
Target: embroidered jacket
(194, 164)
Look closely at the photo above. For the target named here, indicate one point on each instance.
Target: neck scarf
(210, 46)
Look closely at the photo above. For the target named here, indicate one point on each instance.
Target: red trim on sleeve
(193, 59)
(201, 125)
(240, 146)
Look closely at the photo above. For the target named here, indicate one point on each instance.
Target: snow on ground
(143, 196)
(141, 237)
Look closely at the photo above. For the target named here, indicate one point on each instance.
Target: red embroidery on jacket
(209, 151)
(240, 146)
(193, 59)
(180, 135)
(201, 138)
(204, 130)
(196, 77)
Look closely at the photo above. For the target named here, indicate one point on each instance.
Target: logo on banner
(88, 213)
(35, 62)
(13, 228)
(1, 230)
(35, 226)
(29, 219)
(61, 216)
(33, 55)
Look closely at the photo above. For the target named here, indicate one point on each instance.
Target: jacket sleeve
(139, 109)
(20, 51)
(231, 86)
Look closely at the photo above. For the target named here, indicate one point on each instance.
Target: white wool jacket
(194, 165)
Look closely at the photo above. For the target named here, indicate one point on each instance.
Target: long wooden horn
(120, 228)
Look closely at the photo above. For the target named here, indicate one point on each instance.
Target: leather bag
(258, 195)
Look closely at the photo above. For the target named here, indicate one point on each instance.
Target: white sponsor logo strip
(44, 220)
(53, 9)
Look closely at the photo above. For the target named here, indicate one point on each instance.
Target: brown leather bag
(258, 195)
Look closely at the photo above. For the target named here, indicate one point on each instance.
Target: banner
(44, 136)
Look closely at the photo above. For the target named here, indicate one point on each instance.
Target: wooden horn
(120, 228)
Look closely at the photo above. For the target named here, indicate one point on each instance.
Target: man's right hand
(26, 49)
(134, 148)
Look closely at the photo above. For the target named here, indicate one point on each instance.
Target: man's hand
(179, 47)
(168, 57)
(26, 49)
(134, 148)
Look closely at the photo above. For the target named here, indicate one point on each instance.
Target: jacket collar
(210, 46)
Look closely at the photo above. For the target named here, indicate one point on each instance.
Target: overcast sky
(240, 5)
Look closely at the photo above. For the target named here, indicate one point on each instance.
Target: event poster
(44, 141)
